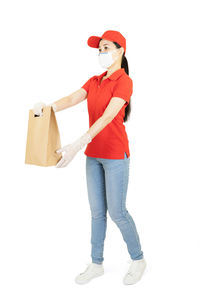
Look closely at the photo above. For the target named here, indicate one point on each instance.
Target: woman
(107, 153)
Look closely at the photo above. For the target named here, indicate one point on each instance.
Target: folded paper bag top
(43, 139)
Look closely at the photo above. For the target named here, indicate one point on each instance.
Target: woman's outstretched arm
(71, 100)
(70, 150)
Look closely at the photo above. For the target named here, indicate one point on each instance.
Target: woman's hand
(70, 150)
(69, 153)
(37, 108)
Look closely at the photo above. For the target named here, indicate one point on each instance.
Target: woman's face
(106, 46)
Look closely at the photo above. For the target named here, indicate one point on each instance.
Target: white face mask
(105, 59)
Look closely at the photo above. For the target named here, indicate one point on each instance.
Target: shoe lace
(130, 268)
(87, 264)
(129, 272)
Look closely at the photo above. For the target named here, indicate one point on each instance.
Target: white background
(44, 212)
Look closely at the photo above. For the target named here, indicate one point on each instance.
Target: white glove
(37, 108)
(70, 150)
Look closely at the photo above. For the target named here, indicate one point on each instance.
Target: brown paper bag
(43, 139)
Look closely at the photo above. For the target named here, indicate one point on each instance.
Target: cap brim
(93, 41)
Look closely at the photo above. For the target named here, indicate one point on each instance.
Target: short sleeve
(123, 88)
(86, 85)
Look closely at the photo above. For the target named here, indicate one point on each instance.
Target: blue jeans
(107, 182)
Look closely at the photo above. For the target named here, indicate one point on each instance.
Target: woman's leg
(116, 176)
(98, 206)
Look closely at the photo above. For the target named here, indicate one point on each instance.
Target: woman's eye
(105, 48)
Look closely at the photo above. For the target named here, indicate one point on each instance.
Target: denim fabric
(107, 183)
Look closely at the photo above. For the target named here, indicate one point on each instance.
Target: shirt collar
(114, 76)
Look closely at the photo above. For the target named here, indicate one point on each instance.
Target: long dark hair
(124, 64)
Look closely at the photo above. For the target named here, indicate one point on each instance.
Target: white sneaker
(93, 270)
(135, 271)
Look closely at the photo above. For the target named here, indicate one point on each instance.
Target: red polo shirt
(112, 141)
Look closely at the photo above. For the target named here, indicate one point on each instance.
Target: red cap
(110, 35)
